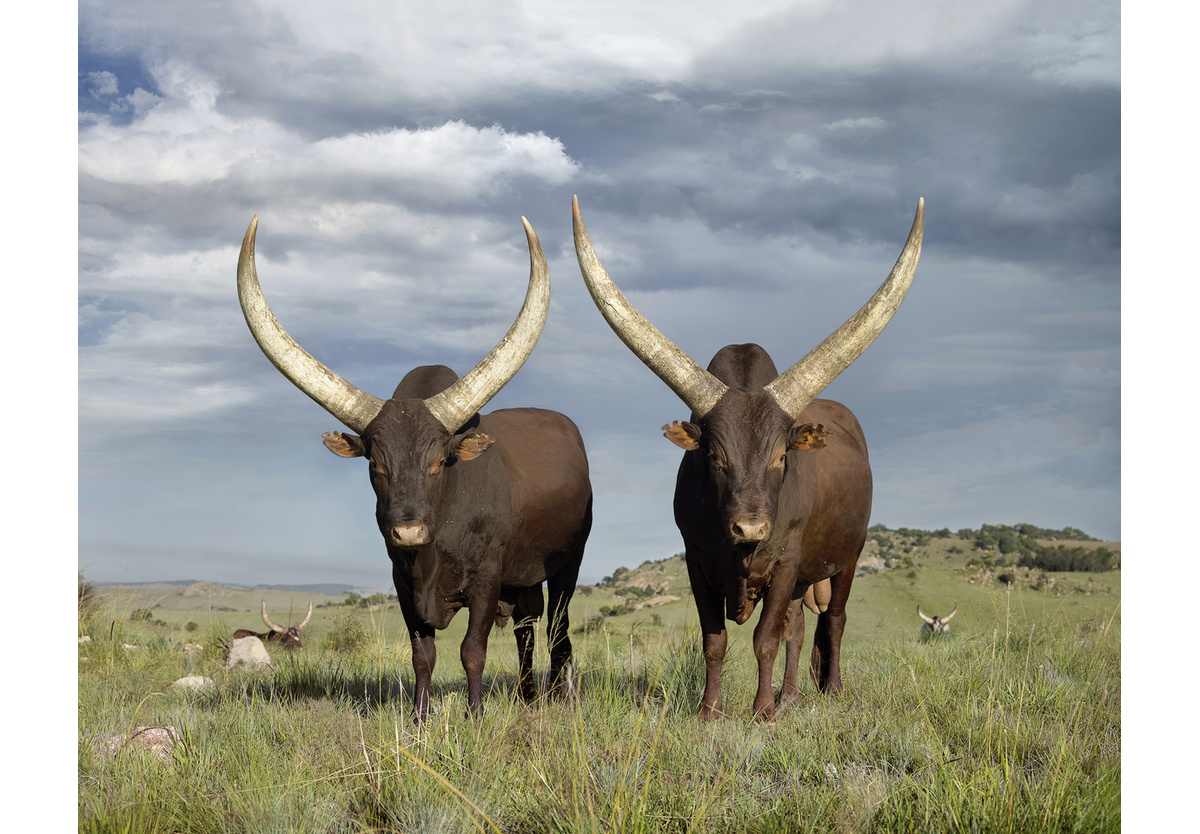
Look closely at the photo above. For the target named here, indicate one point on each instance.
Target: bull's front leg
(767, 634)
(424, 653)
(424, 658)
(711, 608)
(473, 651)
(789, 694)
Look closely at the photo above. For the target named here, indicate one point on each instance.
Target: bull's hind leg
(560, 588)
(827, 639)
(526, 613)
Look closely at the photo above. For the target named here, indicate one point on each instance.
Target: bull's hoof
(562, 687)
(765, 712)
(787, 700)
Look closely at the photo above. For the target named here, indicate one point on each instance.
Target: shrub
(1062, 558)
(346, 635)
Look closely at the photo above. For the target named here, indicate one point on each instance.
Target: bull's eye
(437, 466)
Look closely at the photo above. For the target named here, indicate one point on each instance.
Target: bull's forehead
(747, 424)
(404, 432)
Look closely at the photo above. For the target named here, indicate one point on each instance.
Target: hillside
(1021, 555)
(898, 570)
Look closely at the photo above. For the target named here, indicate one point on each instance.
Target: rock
(193, 648)
(157, 741)
(195, 682)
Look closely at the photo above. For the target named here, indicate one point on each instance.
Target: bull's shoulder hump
(525, 417)
(828, 411)
(519, 427)
(835, 417)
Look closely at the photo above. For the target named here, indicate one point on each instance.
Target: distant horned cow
(476, 510)
(936, 625)
(285, 637)
(773, 494)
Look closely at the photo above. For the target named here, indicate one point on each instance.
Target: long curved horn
(923, 617)
(698, 389)
(800, 384)
(351, 406)
(952, 613)
(458, 403)
(307, 617)
(267, 620)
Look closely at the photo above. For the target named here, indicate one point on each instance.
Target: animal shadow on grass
(367, 691)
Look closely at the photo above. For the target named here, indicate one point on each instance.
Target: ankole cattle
(936, 625)
(476, 510)
(773, 494)
(288, 638)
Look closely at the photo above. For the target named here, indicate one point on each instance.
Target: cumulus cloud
(182, 136)
(102, 83)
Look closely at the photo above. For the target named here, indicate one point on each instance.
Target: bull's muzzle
(409, 535)
(749, 529)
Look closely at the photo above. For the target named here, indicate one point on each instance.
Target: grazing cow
(936, 625)
(476, 510)
(774, 491)
(287, 638)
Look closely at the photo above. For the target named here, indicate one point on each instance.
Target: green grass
(1010, 723)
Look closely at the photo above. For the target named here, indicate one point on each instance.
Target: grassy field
(1010, 723)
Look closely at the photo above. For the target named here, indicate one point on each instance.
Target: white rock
(196, 682)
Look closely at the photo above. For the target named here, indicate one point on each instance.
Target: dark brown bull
(288, 638)
(773, 495)
(476, 510)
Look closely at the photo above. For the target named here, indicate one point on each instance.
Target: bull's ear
(807, 438)
(472, 445)
(684, 435)
(344, 445)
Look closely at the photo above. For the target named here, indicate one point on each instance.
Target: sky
(745, 175)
